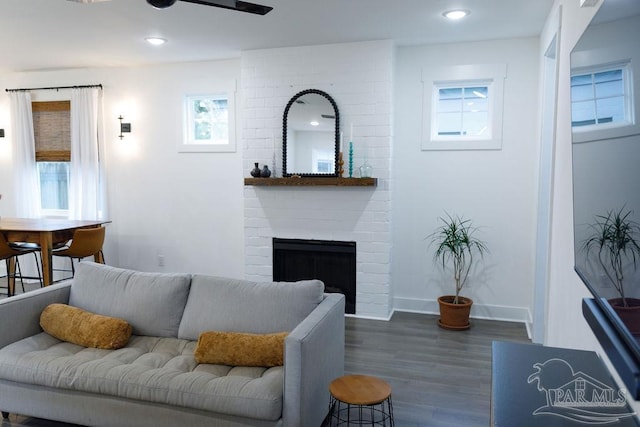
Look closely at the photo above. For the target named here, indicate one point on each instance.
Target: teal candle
(350, 159)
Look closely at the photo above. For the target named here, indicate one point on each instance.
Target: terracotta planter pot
(454, 316)
(629, 315)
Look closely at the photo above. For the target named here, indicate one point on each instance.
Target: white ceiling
(60, 34)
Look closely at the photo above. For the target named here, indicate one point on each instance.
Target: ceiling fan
(240, 6)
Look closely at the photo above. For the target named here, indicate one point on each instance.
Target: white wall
(358, 76)
(496, 189)
(185, 206)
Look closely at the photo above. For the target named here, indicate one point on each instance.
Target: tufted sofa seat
(155, 380)
(160, 370)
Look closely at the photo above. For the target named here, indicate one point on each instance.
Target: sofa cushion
(78, 326)
(151, 302)
(241, 349)
(229, 305)
(159, 370)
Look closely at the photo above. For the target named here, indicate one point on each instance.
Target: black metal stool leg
(373, 415)
(332, 406)
(35, 255)
(19, 272)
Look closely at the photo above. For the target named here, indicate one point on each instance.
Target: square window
(209, 123)
(463, 113)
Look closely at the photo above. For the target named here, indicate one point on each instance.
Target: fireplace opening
(333, 262)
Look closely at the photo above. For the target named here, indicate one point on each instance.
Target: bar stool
(27, 248)
(8, 252)
(360, 400)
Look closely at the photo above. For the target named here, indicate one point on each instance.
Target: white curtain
(87, 181)
(26, 182)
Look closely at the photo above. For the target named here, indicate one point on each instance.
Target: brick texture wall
(358, 76)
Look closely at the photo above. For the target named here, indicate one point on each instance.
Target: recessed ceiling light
(456, 14)
(156, 41)
(314, 123)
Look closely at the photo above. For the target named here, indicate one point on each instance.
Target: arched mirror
(310, 135)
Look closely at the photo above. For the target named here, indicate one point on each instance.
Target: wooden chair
(7, 253)
(86, 242)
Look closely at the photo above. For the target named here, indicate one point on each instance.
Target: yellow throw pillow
(77, 326)
(241, 349)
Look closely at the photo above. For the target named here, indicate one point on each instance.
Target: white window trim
(610, 130)
(185, 146)
(491, 75)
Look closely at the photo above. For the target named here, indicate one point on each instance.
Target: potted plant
(615, 239)
(455, 246)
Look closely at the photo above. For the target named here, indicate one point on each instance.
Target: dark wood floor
(439, 378)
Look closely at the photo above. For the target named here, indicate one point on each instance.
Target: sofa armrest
(22, 311)
(314, 356)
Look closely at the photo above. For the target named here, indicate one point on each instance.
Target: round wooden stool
(360, 400)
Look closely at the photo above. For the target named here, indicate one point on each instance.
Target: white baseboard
(478, 311)
(369, 317)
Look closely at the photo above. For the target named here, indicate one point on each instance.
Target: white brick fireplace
(358, 76)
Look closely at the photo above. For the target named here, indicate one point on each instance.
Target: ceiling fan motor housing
(161, 4)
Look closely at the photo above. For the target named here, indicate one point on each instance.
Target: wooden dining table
(46, 232)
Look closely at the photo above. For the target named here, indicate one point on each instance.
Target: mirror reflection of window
(323, 166)
(600, 97)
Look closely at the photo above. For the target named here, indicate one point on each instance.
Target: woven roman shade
(52, 130)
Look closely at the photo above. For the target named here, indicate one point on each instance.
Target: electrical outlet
(160, 260)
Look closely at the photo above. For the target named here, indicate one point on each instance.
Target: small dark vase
(266, 173)
(255, 172)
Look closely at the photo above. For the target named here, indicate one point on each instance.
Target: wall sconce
(1, 133)
(124, 127)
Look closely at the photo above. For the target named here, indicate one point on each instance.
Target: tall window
(600, 98)
(52, 133)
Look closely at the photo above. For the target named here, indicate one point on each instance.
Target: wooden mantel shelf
(314, 181)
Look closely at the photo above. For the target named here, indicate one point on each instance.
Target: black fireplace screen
(333, 262)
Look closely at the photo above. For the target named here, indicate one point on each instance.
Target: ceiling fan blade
(240, 6)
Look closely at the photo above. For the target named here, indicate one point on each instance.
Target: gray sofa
(155, 380)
